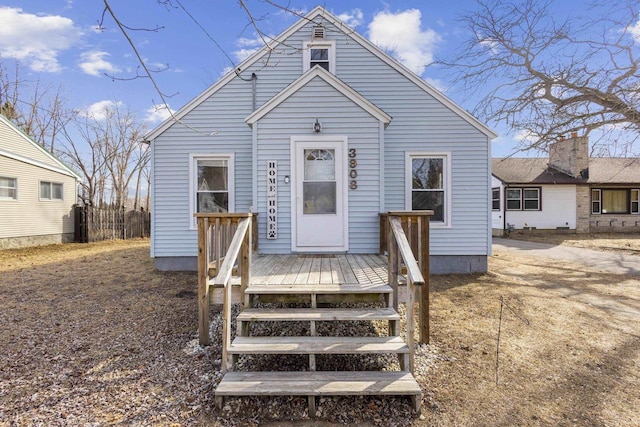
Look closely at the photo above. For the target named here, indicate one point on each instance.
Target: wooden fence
(94, 224)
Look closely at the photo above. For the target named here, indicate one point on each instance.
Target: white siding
(28, 215)
(558, 210)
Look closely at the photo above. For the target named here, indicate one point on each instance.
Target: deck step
(333, 383)
(316, 314)
(308, 289)
(318, 345)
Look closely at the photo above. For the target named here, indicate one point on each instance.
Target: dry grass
(618, 242)
(92, 334)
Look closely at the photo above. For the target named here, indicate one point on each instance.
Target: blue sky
(57, 41)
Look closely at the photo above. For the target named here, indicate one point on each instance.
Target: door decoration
(272, 199)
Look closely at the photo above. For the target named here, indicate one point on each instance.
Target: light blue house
(319, 133)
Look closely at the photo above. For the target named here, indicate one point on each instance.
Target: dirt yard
(93, 335)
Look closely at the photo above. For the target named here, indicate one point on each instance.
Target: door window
(319, 185)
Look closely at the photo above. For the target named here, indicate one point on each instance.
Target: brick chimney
(571, 156)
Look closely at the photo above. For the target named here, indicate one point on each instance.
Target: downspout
(254, 89)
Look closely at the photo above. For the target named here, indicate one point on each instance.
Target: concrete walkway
(612, 262)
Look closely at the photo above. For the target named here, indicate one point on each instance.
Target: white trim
(446, 185)
(38, 164)
(63, 169)
(330, 45)
(320, 12)
(254, 167)
(381, 173)
(333, 81)
(344, 142)
(152, 237)
(193, 157)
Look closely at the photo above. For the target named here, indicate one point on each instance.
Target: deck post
(393, 261)
(423, 244)
(245, 263)
(203, 281)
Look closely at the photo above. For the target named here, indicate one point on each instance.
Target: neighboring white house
(37, 192)
(347, 132)
(567, 191)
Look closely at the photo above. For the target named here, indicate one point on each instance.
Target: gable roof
(56, 166)
(320, 12)
(333, 81)
(602, 170)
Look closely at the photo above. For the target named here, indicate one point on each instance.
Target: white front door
(319, 196)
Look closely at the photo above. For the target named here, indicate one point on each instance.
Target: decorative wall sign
(353, 173)
(272, 199)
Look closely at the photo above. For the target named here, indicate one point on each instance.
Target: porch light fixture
(317, 127)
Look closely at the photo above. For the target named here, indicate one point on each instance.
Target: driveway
(605, 261)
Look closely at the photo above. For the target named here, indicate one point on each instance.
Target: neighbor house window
(211, 184)
(614, 201)
(8, 188)
(321, 53)
(495, 199)
(428, 184)
(519, 199)
(50, 190)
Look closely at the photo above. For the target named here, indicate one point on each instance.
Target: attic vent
(318, 33)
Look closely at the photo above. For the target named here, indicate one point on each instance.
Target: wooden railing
(404, 237)
(224, 241)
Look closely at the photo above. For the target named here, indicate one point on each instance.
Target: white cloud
(402, 35)
(247, 48)
(353, 18)
(158, 113)
(37, 40)
(94, 63)
(98, 110)
(437, 83)
(635, 31)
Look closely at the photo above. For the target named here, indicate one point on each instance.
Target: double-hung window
(615, 201)
(8, 188)
(523, 199)
(51, 190)
(495, 199)
(428, 185)
(211, 184)
(321, 53)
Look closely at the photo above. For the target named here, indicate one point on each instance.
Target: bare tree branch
(549, 77)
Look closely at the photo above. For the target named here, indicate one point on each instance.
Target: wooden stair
(314, 383)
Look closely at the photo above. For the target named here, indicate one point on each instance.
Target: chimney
(571, 156)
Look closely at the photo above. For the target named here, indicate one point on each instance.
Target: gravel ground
(92, 335)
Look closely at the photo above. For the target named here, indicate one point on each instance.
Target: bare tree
(109, 153)
(38, 110)
(547, 77)
(122, 141)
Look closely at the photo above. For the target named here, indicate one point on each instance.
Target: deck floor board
(307, 269)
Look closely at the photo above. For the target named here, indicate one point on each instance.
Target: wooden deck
(304, 269)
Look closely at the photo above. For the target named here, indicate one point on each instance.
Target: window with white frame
(615, 201)
(321, 53)
(8, 188)
(211, 184)
(51, 190)
(428, 184)
(523, 199)
(495, 199)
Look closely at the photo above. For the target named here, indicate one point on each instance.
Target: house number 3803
(353, 173)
